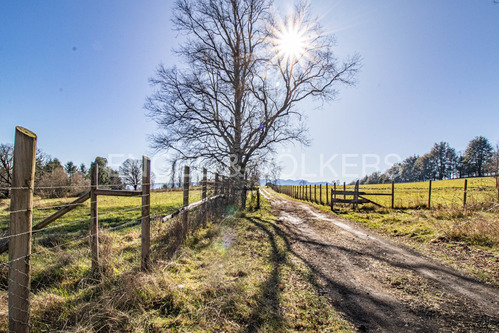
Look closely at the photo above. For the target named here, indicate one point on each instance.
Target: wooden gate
(357, 196)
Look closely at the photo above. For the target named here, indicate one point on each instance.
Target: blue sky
(76, 73)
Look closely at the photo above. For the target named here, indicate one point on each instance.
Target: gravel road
(378, 285)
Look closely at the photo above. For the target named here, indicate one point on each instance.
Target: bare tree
(6, 153)
(245, 72)
(131, 172)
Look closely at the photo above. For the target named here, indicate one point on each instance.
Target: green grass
(445, 193)
(113, 212)
(234, 275)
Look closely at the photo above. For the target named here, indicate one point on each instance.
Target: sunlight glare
(291, 41)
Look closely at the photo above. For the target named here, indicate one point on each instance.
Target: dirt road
(381, 286)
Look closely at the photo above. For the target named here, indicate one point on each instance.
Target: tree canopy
(244, 71)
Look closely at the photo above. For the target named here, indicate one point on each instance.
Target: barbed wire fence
(43, 245)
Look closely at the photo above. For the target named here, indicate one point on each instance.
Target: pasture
(444, 193)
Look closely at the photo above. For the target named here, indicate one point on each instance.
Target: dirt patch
(381, 286)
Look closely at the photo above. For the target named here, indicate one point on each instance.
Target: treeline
(55, 180)
(442, 162)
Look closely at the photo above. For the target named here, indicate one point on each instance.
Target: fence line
(424, 196)
(19, 239)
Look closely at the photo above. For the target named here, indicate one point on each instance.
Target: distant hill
(294, 182)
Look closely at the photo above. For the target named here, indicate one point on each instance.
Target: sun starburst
(291, 40)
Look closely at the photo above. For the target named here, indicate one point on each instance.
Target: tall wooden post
(392, 195)
(335, 190)
(430, 190)
(320, 195)
(21, 206)
(315, 198)
(310, 193)
(344, 190)
(465, 194)
(204, 196)
(146, 209)
(94, 219)
(185, 199)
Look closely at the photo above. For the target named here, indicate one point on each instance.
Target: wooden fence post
(204, 196)
(320, 194)
(392, 195)
(146, 219)
(331, 201)
(465, 194)
(355, 201)
(335, 190)
(344, 190)
(315, 197)
(216, 184)
(310, 193)
(258, 198)
(185, 199)
(21, 205)
(430, 190)
(326, 194)
(94, 218)
(222, 187)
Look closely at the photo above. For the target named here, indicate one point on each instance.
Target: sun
(291, 41)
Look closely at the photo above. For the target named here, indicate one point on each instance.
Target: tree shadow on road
(267, 310)
(357, 306)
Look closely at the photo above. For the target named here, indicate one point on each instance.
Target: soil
(379, 285)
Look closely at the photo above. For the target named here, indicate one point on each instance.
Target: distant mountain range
(294, 182)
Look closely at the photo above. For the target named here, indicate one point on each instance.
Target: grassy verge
(236, 275)
(467, 240)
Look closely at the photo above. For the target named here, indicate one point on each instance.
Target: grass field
(113, 212)
(230, 276)
(445, 193)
